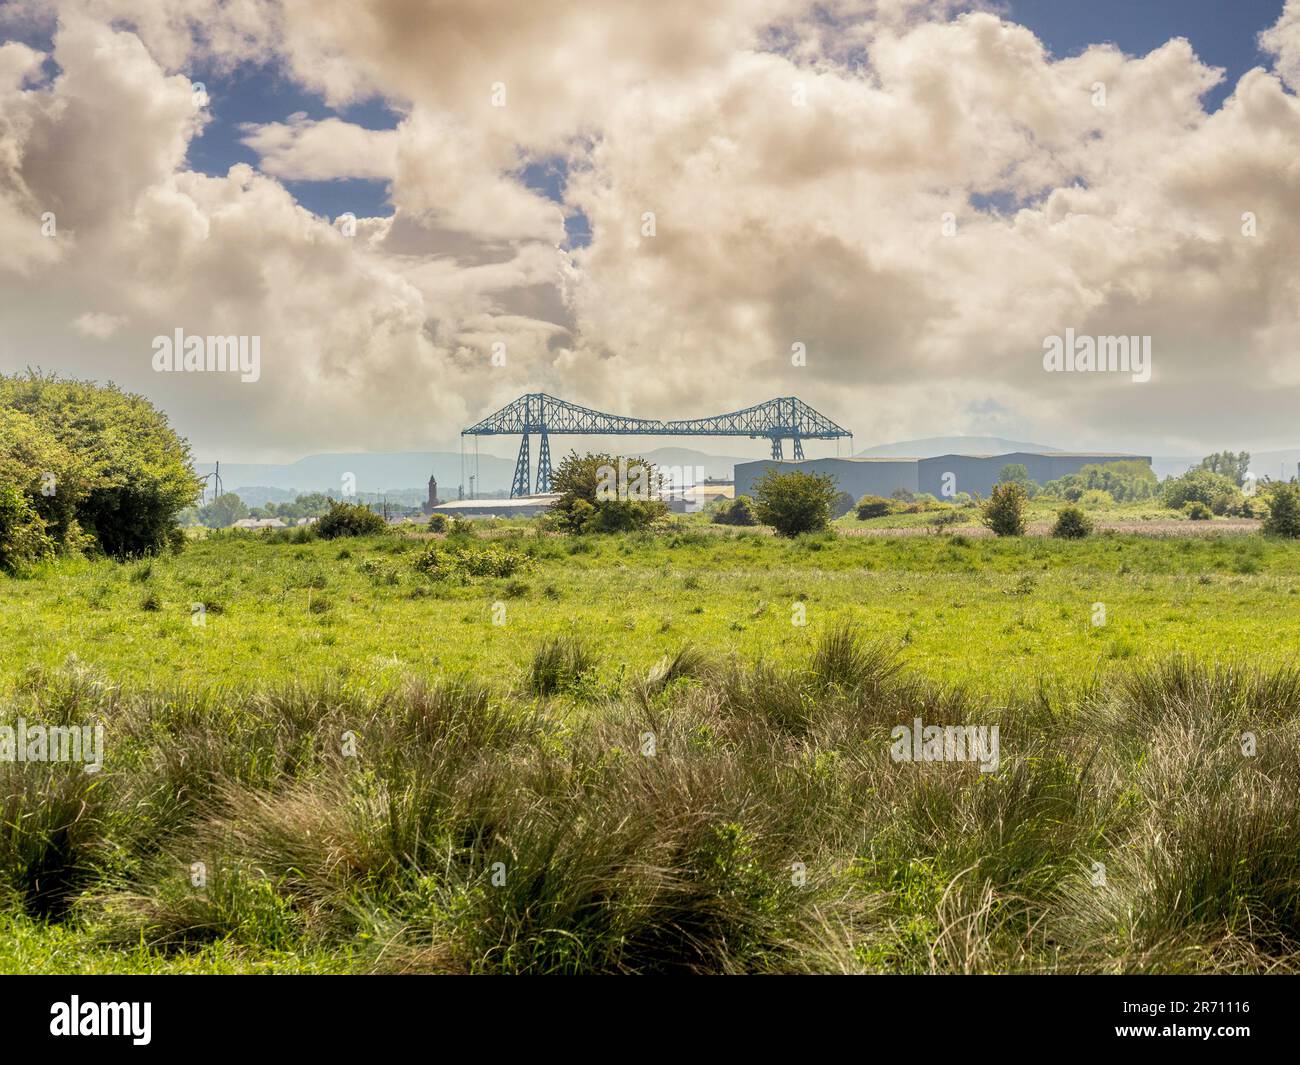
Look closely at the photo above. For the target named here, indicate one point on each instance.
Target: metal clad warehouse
(971, 473)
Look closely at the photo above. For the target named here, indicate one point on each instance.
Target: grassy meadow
(497, 810)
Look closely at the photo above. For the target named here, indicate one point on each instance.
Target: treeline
(86, 467)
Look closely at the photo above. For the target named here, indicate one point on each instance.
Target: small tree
(1004, 512)
(1283, 511)
(842, 505)
(1071, 524)
(437, 523)
(795, 502)
(1018, 473)
(603, 493)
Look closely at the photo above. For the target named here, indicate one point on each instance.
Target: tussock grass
(718, 817)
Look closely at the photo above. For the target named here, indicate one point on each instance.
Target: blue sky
(1222, 32)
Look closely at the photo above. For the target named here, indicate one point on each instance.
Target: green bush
(738, 511)
(1195, 486)
(95, 460)
(463, 562)
(1071, 524)
(1004, 511)
(349, 519)
(437, 523)
(1198, 511)
(796, 502)
(1283, 511)
(22, 532)
(843, 505)
(876, 507)
(1096, 497)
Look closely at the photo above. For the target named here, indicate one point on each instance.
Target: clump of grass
(558, 663)
(844, 658)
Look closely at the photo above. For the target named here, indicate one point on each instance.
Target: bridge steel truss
(786, 417)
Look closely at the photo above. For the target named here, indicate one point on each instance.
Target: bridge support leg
(544, 464)
(798, 449)
(522, 470)
(776, 449)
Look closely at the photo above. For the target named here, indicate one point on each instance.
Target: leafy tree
(349, 519)
(599, 495)
(795, 502)
(1196, 486)
(223, 511)
(1004, 511)
(1283, 511)
(1018, 473)
(1130, 480)
(437, 523)
(1233, 465)
(136, 472)
(842, 505)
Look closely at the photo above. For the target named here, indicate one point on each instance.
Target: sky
(421, 210)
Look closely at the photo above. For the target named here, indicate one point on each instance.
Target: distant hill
(933, 446)
(374, 472)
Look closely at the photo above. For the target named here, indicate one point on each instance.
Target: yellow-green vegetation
(713, 817)
(656, 752)
(985, 613)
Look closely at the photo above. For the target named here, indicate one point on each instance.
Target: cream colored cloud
(303, 149)
(915, 192)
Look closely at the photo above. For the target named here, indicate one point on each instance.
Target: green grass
(500, 724)
(985, 613)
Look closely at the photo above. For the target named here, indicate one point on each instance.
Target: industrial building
(969, 473)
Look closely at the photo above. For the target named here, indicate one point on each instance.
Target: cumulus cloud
(916, 191)
(302, 149)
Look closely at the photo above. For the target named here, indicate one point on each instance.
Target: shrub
(796, 502)
(738, 511)
(1004, 511)
(843, 505)
(1199, 486)
(349, 519)
(875, 507)
(122, 474)
(463, 562)
(1096, 497)
(1283, 511)
(437, 523)
(22, 532)
(1071, 524)
(1198, 511)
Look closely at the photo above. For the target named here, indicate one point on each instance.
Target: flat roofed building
(964, 473)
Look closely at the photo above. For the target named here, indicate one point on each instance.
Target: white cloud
(302, 149)
(98, 325)
(775, 223)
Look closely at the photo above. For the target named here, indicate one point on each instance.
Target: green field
(501, 725)
(988, 614)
